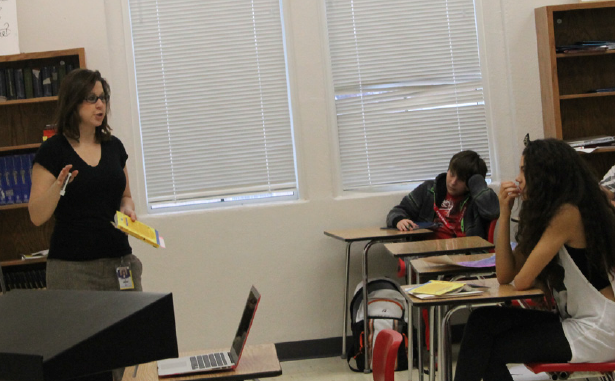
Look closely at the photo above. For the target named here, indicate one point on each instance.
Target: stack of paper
(444, 289)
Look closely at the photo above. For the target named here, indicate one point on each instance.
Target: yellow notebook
(138, 229)
(436, 287)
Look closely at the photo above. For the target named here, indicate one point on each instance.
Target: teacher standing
(86, 252)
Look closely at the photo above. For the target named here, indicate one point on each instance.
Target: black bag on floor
(386, 310)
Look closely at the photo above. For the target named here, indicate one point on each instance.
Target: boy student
(458, 200)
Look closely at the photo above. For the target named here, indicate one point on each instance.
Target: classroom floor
(329, 369)
(336, 369)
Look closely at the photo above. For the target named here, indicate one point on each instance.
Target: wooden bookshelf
(570, 109)
(22, 123)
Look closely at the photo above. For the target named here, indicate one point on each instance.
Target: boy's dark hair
(465, 164)
(74, 88)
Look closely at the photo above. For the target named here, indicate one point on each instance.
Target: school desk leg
(345, 329)
(410, 340)
(365, 302)
(432, 348)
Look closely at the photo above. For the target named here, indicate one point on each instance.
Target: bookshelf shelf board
(14, 206)
(21, 147)
(22, 262)
(585, 54)
(587, 95)
(43, 55)
(31, 100)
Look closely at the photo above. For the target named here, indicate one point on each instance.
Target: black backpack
(386, 310)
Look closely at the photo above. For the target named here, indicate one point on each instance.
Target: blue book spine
(3, 187)
(24, 177)
(7, 179)
(17, 191)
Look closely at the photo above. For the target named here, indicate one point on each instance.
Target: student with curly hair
(566, 242)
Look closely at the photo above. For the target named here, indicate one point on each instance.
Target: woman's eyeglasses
(92, 98)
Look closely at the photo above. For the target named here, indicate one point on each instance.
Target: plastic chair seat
(385, 355)
(563, 371)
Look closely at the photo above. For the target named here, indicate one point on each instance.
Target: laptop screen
(245, 324)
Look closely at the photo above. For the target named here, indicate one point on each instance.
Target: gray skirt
(95, 275)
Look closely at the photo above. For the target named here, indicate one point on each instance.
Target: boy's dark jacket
(482, 205)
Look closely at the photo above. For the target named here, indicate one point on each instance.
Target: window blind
(408, 88)
(213, 100)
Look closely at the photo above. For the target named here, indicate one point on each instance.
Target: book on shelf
(24, 176)
(49, 131)
(589, 141)
(55, 84)
(138, 230)
(46, 81)
(61, 71)
(37, 83)
(10, 84)
(444, 289)
(20, 90)
(27, 82)
(2, 85)
(38, 254)
(5, 180)
(15, 165)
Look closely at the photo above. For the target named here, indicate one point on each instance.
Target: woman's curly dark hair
(555, 175)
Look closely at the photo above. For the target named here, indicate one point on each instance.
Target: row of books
(592, 141)
(26, 83)
(15, 179)
(31, 279)
(586, 47)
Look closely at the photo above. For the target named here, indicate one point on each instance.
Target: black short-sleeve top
(83, 228)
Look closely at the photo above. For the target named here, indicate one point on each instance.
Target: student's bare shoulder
(568, 216)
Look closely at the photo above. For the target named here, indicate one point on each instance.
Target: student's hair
(555, 174)
(465, 164)
(75, 86)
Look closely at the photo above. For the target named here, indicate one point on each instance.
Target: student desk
(372, 235)
(495, 293)
(423, 267)
(257, 361)
(438, 247)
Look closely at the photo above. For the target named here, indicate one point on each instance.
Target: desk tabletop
(373, 233)
(257, 361)
(424, 267)
(496, 293)
(438, 246)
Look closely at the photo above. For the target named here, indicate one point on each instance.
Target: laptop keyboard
(207, 361)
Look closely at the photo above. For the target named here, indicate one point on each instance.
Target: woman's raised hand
(509, 191)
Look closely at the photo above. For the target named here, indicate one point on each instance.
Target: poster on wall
(9, 38)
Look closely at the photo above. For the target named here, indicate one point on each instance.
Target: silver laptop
(214, 361)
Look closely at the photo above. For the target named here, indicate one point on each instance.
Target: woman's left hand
(129, 212)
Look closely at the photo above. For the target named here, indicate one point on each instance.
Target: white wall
(281, 248)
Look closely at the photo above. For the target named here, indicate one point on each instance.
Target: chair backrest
(385, 355)
(491, 233)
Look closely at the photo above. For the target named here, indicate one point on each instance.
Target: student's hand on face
(509, 191)
(406, 225)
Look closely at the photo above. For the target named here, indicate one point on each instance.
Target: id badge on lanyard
(124, 277)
